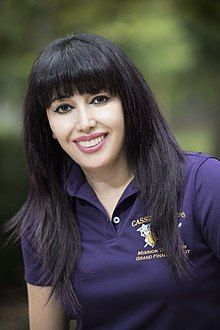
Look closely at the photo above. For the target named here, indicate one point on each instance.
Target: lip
(96, 148)
(89, 137)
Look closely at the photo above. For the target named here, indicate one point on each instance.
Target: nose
(84, 122)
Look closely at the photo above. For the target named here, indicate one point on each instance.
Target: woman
(120, 229)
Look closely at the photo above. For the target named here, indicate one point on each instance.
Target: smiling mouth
(92, 143)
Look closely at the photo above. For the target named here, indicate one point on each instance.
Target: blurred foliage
(13, 189)
(174, 43)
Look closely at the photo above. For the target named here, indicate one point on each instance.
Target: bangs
(82, 68)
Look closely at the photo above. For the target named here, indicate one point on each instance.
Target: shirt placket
(111, 226)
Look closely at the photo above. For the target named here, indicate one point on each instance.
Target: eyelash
(100, 96)
(66, 105)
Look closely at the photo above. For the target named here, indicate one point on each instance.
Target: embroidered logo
(149, 237)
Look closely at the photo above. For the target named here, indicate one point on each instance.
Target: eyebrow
(62, 97)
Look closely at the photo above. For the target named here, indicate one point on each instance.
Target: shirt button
(116, 220)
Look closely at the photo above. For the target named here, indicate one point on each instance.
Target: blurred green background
(174, 43)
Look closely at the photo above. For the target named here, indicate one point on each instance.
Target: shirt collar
(75, 180)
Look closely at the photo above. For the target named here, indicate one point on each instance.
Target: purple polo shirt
(123, 279)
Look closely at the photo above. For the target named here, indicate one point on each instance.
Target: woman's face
(90, 128)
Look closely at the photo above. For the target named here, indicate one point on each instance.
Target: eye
(64, 108)
(100, 99)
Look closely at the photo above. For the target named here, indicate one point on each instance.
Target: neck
(117, 176)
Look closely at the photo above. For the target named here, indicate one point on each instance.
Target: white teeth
(91, 143)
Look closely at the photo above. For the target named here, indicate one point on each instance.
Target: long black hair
(87, 63)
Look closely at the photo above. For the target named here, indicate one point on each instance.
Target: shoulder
(203, 193)
(198, 158)
(203, 186)
(202, 183)
(204, 168)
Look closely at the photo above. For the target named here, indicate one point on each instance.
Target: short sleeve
(207, 197)
(33, 264)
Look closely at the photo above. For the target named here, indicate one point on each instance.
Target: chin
(94, 166)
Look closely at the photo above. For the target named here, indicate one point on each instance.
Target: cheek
(118, 124)
(60, 129)
(112, 118)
